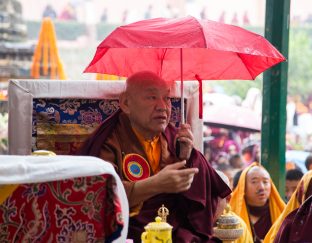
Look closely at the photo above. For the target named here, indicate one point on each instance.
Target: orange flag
(46, 61)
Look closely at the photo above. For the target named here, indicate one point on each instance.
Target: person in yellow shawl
(298, 197)
(257, 201)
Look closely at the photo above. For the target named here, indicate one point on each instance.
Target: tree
(300, 63)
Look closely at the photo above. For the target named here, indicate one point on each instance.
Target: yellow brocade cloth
(297, 198)
(152, 149)
(238, 203)
(6, 191)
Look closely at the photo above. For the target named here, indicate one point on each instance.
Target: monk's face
(290, 187)
(258, 186)
(149, 107)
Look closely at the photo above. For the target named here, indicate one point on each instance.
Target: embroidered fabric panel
(85, 209)
(61, 125)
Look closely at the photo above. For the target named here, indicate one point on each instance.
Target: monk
(302, 192)
(142, 145)
(297, 225)
(257, 201)
(293, 177)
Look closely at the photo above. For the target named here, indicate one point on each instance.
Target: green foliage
(299, 67)
(69, 30)
(234, 87)
(65, 30)
(104, 29)
(300, 63)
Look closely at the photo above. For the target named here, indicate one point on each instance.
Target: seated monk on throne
(141, 144)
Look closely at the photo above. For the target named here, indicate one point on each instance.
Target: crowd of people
(158, 164)
(67, 13)
(299, 117)
(231, 150)
(254, 198)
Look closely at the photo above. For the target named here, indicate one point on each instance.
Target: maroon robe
(263, 224)
(297, 226)
(191, 212)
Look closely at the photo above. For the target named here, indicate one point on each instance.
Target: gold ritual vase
(158, 231)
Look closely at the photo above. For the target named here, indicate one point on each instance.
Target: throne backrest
(59, 115)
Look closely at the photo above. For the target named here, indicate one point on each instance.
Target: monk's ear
(124, 102)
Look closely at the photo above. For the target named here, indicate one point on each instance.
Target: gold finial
(227, 209)
(43, 152)
(163, 212)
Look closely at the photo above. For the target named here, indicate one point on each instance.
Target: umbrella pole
(182, 93)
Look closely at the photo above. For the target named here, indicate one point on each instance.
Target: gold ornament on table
(228, 227)
(158, 231)
(43, 152)
(163, 212)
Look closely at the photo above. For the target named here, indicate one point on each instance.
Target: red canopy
(209, 49)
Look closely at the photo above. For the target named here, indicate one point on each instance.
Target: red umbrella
(182, 48)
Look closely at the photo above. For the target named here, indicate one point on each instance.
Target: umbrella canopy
(184, 48)
(209, 49)
(232, 116)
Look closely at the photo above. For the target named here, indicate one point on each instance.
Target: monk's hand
(174, 178)
(186, 139)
